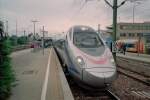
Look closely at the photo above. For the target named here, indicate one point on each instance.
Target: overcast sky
(59, 15)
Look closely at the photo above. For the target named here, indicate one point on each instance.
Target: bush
(6, 73)
(18, 40)
(22, 40)
(13, 40)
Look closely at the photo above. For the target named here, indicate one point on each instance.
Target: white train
(88, 59)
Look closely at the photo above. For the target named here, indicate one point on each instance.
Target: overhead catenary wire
(78, 11)
(75, 15)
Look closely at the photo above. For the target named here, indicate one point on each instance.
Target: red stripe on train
(100, 61)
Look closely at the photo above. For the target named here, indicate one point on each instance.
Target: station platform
(58, 87)
(134, 56)
(39, 76)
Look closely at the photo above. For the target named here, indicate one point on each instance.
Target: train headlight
(80, 61)
(112, 60)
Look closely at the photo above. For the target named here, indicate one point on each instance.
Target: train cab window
(87, 40)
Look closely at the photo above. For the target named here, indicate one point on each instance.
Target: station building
(137, 31)
(134, 31)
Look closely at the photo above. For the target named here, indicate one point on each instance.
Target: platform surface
(39, 77)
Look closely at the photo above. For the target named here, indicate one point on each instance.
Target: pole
(133, 10)
(16, 28)
(115, 6)
(114, 24)
(139, 42)
(34, 21)
(43, 39)
(34, 31)
(24, 33)
(135, 3)
(99, 28)
(6, 34)
(16, 32)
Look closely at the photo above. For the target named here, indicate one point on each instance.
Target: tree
(13, 40)
(6, 73)
(22, 40)
(1, 30)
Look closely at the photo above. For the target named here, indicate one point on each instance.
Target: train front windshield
(87, 40)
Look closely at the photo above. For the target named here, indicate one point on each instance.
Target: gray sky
(59, 15)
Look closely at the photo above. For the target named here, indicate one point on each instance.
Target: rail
(134, 75)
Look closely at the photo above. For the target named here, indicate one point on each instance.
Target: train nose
(99, 78)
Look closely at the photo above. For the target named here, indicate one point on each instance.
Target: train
(87, 57)
(132, 45)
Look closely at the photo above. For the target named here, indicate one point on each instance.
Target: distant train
(132, 45)
(88, 59)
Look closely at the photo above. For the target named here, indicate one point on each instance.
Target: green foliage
(18, 40)
(22, 40)
(6, 73)
(13, 40)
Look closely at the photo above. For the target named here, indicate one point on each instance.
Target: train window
(88, 40)
(148, 40)
(130, 34)
(130, 45)
(138, 34)
(123, 34)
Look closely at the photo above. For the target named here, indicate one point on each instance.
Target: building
(133, 31)
(136, 31)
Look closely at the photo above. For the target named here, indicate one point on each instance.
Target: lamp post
(135, 3)
(34, 21)
(99, 29)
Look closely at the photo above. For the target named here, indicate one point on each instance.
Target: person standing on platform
(124, 48)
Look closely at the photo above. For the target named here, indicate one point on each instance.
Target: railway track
(139, 73)
(83, 94)
(134, 75)
(139, 67)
